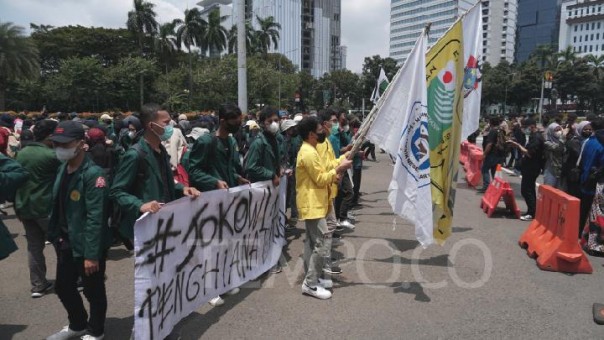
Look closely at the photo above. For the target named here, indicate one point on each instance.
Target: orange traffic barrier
(474, 165)
(463, 152)
(552, 235)
(499, 189)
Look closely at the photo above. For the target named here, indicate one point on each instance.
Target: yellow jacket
(313, 180)
(328, 157)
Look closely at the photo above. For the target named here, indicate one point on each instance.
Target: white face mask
(66, 154)
(273, 128)
(558, 134)
(132, 134)
(346, 128)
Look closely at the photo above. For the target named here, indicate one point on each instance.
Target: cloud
(365, 24)
(105, 13)
(365, 30)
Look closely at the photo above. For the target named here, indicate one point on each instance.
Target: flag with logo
(380, 87)
(472, 82)
(444, 78)
(401, 129)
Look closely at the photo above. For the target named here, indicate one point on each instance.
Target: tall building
(310, 32)
(409, 17)
(538, 24)
(582, 27)
(499, 30)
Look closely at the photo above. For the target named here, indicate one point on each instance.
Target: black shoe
(43, 291)
(481, 191)
(334, 270)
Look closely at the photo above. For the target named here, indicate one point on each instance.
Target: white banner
(472, 82)
(194, 250)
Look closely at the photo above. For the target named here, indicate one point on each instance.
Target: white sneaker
(346, 224)
(526, 218)
(66, 333)
(233, 291)
(326, 283)
(217, 301)
(90, 337)
(316, 291)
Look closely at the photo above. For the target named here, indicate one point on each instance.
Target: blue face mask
(168, 131)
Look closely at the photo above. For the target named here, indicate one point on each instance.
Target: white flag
(380, 87)
(472, 84)
(401, 129)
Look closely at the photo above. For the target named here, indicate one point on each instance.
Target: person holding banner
(143, 180)
(313, 184)
(78, 230)
(263, 159)
(215, 163)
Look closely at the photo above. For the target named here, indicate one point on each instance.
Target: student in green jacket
(214, 161)
(143, 179)
(78, 230)
(33, 201)
(263, 160)
(12, 175)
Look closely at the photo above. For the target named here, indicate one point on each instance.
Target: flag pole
(364, 129)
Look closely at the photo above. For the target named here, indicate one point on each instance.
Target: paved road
(479, 285)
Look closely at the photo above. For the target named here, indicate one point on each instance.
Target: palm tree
(18, 57)
(268, 32)
(165, 43)
(250, 44)
(597, 63)
(191, 32)
(215, 34)
(141, 21)
(567, 55)
(543, 54)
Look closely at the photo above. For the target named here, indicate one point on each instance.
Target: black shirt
(64, 195)
(492, 139)
(160, 157)
(535, 159)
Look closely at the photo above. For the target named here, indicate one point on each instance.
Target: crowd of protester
(568, 153)
(79, 184)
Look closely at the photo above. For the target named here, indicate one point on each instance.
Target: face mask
(66, 154)
(346, 128)
(168, 131)
(527, 131)
(558, 134)
(321, 137)
(273, 128)
(586, 134)
(232, 128)
(131, 134)
(335, 128)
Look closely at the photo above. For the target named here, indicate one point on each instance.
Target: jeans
(344, 198)
(527, 188)
(356, 181)
(317, 248)
(68, 271)
(489, 167)
(35, 234)
(550, 179)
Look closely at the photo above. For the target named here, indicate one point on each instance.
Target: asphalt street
(479, 285)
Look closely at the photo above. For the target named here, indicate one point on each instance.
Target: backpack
(501, 143)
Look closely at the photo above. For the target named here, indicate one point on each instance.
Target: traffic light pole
(541, 101)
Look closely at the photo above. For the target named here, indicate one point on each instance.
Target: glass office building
(538, 24)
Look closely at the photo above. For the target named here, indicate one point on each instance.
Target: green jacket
(34, 198)
(133, 186)
(12, 175)
(85, 211)
(209, 163)
(261, 162)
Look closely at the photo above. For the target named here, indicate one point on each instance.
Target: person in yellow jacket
(313, 183)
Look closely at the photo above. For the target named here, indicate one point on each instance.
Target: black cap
(68, 131)
(529, 122)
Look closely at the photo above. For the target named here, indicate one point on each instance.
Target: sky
(365, 23)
